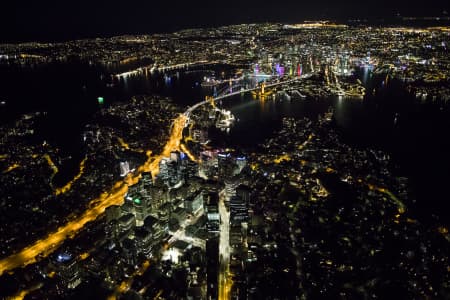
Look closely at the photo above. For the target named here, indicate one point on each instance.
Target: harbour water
(391, 120)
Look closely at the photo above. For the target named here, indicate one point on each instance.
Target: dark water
(68, 91)
(258, 120)
(418, 142)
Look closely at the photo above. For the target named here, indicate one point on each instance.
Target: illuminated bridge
(237, 92)
(115, 196)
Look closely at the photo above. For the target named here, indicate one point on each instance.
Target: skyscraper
(194, 202)
(212, 268)
(238, 210)
(68, 269)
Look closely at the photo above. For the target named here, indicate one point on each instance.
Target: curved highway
(45, 246)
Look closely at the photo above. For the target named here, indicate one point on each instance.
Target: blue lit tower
(68, 269)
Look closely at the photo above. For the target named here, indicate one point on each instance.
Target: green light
(100, 100)
(137, 201)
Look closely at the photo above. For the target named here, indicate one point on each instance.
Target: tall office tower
(112, 213)
(153, 225)
(112, 232)
(164, 170)
(211, 203)
(138, 201)
(208, 166)
(236, 237)
(147, 180)
(144, 241)
(124, 168)
(170, 170)
(126, 224)
(144, 198)
(244, 193)
(159, 195)
(238, 211)
(212, 268)
(163, 216)
(241, 162)
(226, 165)
(129, 252)
(190, 170)
(174, 173)
(238, 234)
(127, 208)
(194, 203)
(238, 216)
(141, 211)
(230, 187)
(68, 270)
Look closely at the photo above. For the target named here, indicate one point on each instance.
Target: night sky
(62, 20)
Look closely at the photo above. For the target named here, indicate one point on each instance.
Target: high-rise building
(129, 252)
(112, 212)
(244, 193)
(230, 187)
(112, 230)
(190, 170)
(155, 228)
(145, 198)
(68, 269)
(174, 173)
(241, 162)
(147, 180)
(209, 163)
(194, 202)
(144, 241)
(170, 170)
(126, 224)
(238, 210)
(226, 165)
(211, 204)
(164, 170)
(138, 201)
(212, 268)
(159, 194)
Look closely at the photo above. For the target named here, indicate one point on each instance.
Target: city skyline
(264, 160)
(59, 21)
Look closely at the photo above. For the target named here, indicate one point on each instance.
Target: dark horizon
(66, 21)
